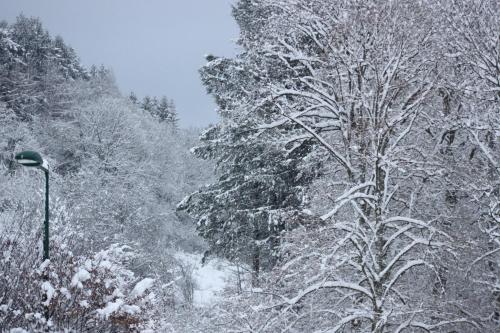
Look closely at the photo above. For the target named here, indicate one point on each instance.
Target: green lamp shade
(29, 158)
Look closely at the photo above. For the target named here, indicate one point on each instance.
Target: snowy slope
(210, 279)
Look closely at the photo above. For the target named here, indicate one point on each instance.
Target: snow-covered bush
(76, 292)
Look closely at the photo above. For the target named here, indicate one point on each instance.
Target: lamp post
(35, 160)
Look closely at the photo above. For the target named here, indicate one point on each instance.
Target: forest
(350, 185)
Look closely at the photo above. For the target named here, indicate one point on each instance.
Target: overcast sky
(154, 47)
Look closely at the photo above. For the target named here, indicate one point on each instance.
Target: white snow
(141, 287)
(131, 309)
(106, 264)
(44, 265)
(88, 265)
(18, 330)
(65, 292)
(210, 279)
(49, 291)
(110, 308)
(81, 276)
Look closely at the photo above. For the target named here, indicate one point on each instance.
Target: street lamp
(35, 160)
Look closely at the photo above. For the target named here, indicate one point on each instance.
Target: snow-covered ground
(210, 278)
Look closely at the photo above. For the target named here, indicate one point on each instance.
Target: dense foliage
(377, 123)
(116, 173)
(356, 189)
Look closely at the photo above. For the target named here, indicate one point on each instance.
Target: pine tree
(133, 98)
(260, 186)
(147, 104)
(166, 111)
(35, 68)
(367, 94)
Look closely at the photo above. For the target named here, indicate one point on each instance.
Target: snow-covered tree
(364, 81)
(116, 175)
(471, 96)
(260, 185)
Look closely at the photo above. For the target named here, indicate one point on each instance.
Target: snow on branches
(381, 93)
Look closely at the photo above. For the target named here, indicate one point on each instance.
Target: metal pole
(46, 239)
(46, 224)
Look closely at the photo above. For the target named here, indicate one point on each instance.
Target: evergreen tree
(260, 188)
(147, 104)
(370, 102)
(166, 111)
(133, 98)
(35, 68)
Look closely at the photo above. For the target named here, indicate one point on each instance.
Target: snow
(110, 308)
(131, 309)
(210, 279)
(49, 291)
(88, 265)
(44, 265)
(183, 202)
(18, 330)
(81, 276)
(65, 292)
(348, 196)
(106, 264)
(141, 287)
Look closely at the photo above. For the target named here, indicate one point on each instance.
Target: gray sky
(154, 47)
